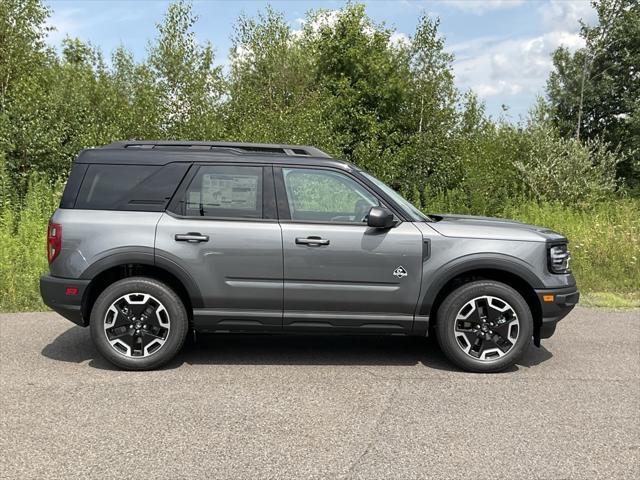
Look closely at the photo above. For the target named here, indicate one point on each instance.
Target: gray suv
(156, 239)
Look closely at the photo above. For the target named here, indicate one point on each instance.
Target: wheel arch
(510, 271)
(118, 266)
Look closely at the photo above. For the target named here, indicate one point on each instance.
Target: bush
(23, 230)
(564, 170)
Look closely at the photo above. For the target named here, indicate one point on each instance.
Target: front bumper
(64, 296)
(556, 304)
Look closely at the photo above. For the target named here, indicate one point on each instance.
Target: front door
(223, 231)
(339, 274)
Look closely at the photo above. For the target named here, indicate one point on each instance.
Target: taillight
(54, 241)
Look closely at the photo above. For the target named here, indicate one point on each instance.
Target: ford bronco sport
(156, 239)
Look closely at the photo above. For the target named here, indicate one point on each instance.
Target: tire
(484, 326)
(138, 323)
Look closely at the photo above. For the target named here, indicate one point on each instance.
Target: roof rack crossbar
(253, 148)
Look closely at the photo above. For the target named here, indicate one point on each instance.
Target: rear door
(339, 274)
(222, 230)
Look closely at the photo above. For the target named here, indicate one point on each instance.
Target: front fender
(435, 281)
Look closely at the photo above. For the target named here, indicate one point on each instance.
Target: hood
(469, 226)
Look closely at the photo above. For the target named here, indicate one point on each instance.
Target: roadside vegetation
(347, 86)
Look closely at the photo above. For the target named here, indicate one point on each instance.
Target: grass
(610, 300)
(23, 232)
(605, 244)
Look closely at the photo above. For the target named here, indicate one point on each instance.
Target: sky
(502, 48)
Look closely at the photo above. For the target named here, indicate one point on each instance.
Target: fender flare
(145, 256)
(479, 261)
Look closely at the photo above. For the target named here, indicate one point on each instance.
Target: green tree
(352, 87)
(190, 85)
(594, 92)
(24, 74)
(272, 96)
(365, 78)
(22, 47)
(428, 153)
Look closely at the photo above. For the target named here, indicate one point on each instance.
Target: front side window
(225, 192)
(325, 196)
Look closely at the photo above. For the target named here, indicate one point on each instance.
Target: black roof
(150, 152)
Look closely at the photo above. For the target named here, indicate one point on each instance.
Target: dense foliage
(595, 92)
(342, 83)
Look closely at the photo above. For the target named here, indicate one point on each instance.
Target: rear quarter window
(74, 181)
(129, 187)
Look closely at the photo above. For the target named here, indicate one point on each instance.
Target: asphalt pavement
(294, 407)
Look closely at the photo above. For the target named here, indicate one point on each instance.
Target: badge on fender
(400, 272)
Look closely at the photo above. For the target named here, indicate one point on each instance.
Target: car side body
(267, 264)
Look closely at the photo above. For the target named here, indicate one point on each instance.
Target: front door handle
(191, 237)
(312, 241)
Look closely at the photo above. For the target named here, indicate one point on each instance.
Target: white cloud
(399, 39)
(470, 48)
(326, 19)
(329, 18)
(506, 67)
(241, 54)
(566, 14)
(500, 87)
(478, 7)
(509, 67)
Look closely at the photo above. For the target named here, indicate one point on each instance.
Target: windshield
(416, 215)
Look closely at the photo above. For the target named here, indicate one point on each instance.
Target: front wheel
(138, 323)
(484, 326)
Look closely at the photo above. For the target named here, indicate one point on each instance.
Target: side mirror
(380, 217)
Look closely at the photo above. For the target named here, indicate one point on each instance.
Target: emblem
(400, 272)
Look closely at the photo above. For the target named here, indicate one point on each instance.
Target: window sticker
(230, 191)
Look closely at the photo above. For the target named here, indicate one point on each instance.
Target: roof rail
(256, 148)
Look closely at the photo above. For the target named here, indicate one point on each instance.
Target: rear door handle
(312, 241)
(191, 237)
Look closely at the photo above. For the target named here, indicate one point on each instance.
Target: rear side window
(129, 187)
(223, 191)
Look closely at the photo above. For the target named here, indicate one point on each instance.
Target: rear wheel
(138, 323)
(484, 326)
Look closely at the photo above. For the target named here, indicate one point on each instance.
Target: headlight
(559, 258)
